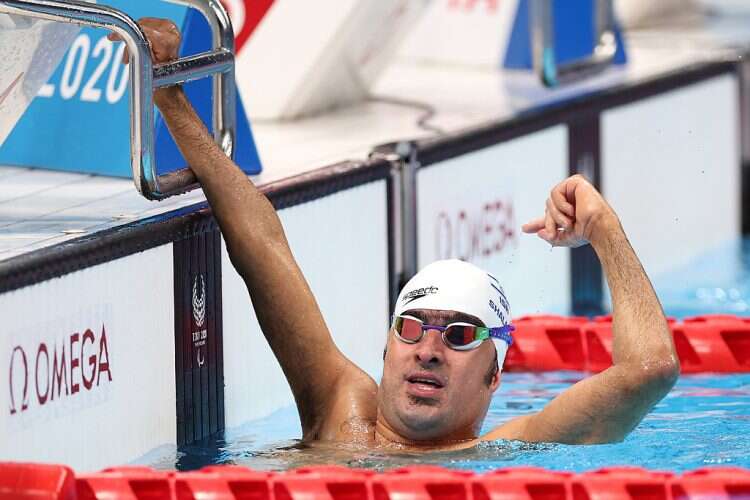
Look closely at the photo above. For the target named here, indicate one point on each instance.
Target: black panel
(745, 216)
(584, 157)
(198, 359)
(211, 374)
(179, 364)
(744, 71)
(218, 324)
(393, 285)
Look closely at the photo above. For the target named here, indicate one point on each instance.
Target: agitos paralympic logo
(199, 315)
(49, 373)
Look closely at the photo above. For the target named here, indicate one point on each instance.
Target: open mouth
(425, 382)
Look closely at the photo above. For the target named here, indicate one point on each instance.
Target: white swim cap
(454, 285)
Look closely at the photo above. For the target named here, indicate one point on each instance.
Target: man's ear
(496, 380)
(388, 337)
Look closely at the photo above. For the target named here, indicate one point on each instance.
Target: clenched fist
(163, 37)
(576, 214)
(164, 40)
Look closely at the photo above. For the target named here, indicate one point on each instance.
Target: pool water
(703, 421)
(717, 282)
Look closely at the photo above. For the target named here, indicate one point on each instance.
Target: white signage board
(341, 245)
(671, 170)
(462, 32)
(471, 208)
(90, 364)
(305, 57)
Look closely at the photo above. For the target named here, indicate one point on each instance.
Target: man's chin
(418, 402)
(422, 419)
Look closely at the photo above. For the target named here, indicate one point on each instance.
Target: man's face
(430, 391)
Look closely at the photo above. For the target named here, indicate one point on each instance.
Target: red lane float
(226, 482)
(526, 483)
(422, 483)
(719, 483)
(323, 482)
(125, 483)
(716, 343)
(548, 342)
(37, 482)
(49, 482)
(711, 343)
(621, 483)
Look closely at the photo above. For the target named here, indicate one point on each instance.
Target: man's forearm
(641, 336)
(246, 217)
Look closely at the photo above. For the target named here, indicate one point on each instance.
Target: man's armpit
(514, 430)
(353, 410)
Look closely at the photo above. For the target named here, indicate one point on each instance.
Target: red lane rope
(711, 343)
(50, 482)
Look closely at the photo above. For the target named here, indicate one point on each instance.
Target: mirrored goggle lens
(408, 329)
(460, 335)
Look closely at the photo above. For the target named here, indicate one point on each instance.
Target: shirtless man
(437, 383)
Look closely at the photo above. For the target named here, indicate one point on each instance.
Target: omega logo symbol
(199, 315)
(41, 373)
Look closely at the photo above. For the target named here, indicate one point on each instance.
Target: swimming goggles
(457, 336)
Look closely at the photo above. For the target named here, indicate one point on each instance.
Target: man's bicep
(602, 408)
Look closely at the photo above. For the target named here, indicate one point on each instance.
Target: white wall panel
(462, 32)
(341, 245)
(472, 207)
(671, 170)
(306, 57)
(111, 421)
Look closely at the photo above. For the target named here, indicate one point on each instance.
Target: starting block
(574, 38)
(564, 40)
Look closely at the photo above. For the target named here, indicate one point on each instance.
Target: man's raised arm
(286, 309)
(607, 406)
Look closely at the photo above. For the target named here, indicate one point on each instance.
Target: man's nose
(430, 350)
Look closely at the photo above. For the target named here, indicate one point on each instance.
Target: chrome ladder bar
(145, 76)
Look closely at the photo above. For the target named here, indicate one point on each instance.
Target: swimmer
(447, 342)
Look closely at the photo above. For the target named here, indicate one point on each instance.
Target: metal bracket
(145, 76)
(403, 158)
(543, 43)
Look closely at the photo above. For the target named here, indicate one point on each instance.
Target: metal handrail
(543, 42)
(145, 77)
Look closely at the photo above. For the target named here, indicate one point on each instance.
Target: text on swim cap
(502, 299)
(498, 311)
(419, 293)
